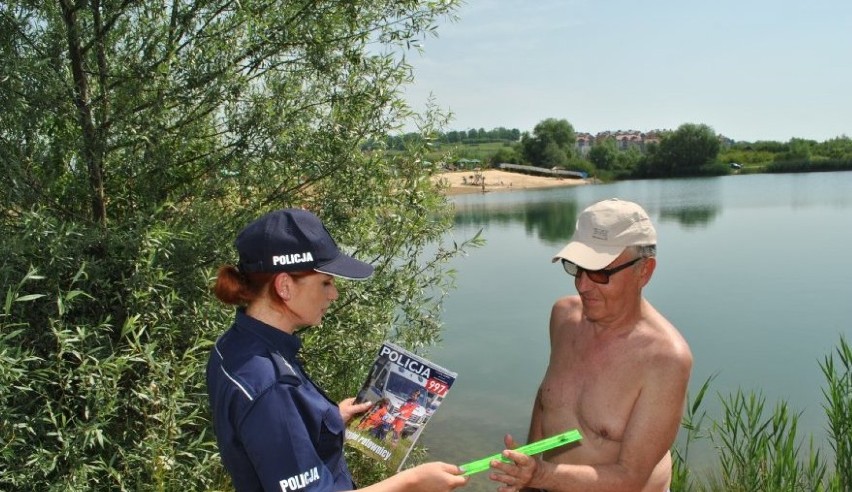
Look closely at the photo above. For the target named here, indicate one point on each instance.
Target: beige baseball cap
(604, 230)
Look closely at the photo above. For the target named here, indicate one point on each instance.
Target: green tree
(553, 156)
(687, 151)
(798, 149)
(768, 146)
(136, 139)
(504, 155)
(604, 154)
(550, 144)
(835, 148)
(629, 159)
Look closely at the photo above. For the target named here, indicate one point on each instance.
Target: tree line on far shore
(690, 150)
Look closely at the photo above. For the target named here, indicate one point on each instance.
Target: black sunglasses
(596, 276)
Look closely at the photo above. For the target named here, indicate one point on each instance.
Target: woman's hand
(428, 477)
(348, 408)
(434, 477)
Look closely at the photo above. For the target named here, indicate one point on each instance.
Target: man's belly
(596, 450)
(583, 454)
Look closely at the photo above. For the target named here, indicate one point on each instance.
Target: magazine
(405, 390)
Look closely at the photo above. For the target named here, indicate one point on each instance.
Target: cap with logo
(604, 230)
(294, 240)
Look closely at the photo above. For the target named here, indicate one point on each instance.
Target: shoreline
(488, 180)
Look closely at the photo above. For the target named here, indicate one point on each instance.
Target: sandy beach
(458, 182)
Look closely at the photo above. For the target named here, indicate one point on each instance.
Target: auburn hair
(235, 287)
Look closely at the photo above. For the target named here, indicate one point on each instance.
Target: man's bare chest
(595, 397)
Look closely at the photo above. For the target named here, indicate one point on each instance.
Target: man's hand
(515, 475)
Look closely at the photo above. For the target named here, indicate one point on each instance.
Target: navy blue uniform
(276, 430)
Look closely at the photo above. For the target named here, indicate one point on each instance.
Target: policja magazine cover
(405, 390)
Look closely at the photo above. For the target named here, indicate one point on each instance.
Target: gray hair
(644, 251)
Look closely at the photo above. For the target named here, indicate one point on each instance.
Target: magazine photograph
(405, 390)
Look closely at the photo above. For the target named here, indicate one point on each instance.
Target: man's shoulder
(666, 343)
(566, 311)
(660, 327)
(567, 304)
(566, 314)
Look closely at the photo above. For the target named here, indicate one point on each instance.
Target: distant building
(629, 139)
(584, 143)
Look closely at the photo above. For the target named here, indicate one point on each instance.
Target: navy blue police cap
(294, 240)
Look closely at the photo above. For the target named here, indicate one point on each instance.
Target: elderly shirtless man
(618, 369)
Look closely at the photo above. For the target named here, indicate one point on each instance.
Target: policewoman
(277, 430)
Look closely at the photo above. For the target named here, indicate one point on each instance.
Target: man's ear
(648, 267)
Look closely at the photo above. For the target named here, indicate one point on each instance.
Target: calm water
(754, 270)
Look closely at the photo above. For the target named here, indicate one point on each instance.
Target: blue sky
(750, 69)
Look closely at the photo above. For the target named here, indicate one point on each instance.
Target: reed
(693, 419)
(838, 409)
(758, 448)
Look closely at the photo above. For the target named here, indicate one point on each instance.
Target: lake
(754, 270)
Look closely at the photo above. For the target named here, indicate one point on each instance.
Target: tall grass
(838, 409)
(682, 476)
(759, 449)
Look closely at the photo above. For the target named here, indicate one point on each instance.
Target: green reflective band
(527, 449)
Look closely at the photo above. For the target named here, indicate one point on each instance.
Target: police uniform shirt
(276, 430)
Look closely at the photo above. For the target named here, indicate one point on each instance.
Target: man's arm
(535, 432)
(649, 434)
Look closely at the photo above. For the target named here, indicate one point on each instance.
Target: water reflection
(689, 216)
(552, 222)
(692, 203)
